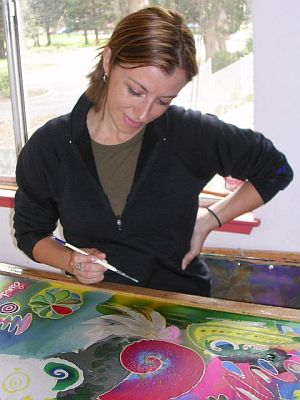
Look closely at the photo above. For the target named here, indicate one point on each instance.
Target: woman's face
(138, 96)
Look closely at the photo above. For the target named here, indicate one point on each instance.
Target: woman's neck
(104, 132)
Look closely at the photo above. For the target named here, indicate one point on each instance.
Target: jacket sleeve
(241, 153)
(36, 214)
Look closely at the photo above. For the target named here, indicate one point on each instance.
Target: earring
(105, 77)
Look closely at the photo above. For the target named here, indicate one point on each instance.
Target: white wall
(9, 253)
(277, 114)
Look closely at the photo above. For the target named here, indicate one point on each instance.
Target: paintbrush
(104, 263)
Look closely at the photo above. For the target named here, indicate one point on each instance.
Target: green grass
(65, 42)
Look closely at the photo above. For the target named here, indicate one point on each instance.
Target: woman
(123, 171)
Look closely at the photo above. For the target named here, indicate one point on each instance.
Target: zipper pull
(119, 223)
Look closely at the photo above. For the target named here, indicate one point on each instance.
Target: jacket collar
(78, 117)
(155, 131)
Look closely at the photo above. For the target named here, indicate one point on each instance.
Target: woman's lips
(131, 122)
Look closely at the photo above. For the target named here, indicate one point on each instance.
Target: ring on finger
(79, 266)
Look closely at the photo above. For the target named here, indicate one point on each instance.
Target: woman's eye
(133, 92)
(164, 103)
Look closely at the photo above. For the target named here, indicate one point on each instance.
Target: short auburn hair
(151, 36)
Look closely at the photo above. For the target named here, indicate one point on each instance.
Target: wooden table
(60, 339)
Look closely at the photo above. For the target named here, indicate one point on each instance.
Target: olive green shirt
(115, 166)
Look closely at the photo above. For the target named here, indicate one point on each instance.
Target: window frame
(14, 62)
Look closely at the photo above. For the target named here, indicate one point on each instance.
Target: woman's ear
(106, 55)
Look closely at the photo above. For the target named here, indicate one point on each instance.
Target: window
(59, 40)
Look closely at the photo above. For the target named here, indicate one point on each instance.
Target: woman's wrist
(71, 263)
(207, 221)
(215, 215)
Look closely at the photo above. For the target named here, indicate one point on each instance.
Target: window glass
(58, 52)
(60, 41)
(223, 35)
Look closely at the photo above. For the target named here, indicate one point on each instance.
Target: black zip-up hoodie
(181, 151)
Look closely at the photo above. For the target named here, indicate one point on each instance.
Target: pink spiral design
(159, 371)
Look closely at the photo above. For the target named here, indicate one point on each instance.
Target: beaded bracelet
(215, 215)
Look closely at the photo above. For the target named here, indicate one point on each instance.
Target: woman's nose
(142, 112)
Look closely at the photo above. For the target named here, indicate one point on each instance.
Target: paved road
(53, 80)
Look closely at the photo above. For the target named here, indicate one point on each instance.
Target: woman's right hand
(85, 268)
(204, 224)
